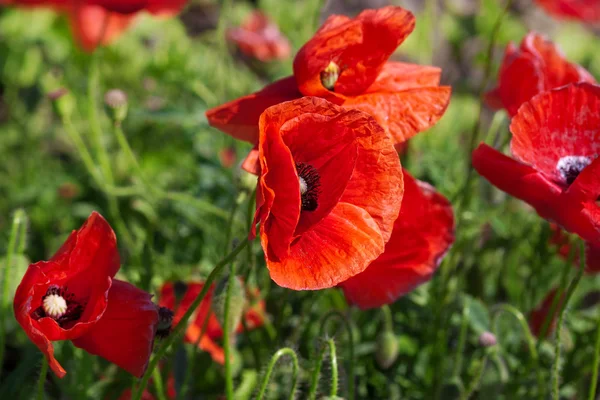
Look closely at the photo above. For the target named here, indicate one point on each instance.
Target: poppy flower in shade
(328, 194)
(583, 10)
(556, 169)
(592, 252)
(535, 67)
(423, 233)
(346, 63)
(100, 22)
(259, 38)
(204, 328)
(538, 316)
(73, 297)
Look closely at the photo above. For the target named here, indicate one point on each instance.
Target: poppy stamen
(310, 185)
(59, 305)
(165, 322)
(570, 167)
(330, 75)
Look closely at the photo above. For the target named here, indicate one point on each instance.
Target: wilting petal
(93, 25)
(239, 118)
(559, 131)
(348, 234)
(422, 235)
(583, 10)
(125, 333)
(359, 46)
(406, 113)
(398, 76)
(518, 180)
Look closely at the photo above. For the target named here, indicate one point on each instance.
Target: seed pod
(386, 351)
(116, 104)
(487, 339)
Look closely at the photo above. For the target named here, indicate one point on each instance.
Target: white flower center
(303, 187)
(54, 306)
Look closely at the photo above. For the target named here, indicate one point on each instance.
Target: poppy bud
(386, 351)
(487, 339)
(62, 101)
(330, 75)
(237, 302)
(116, 104)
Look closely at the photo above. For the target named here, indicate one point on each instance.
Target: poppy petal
(239, 118)
(406, 113)
(378, 173)
(359, 46)
(558, 129)
(516, 179)
(357, 242)
(422, 234)
(22, 306)
(398, 76)
(125, 333)
(94, 25)
(584, 10)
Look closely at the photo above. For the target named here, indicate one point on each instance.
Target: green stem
(124, 144)
(158, 382)
(594, 383)
(314, 381)
(178, 330)
(42, 379)
(535, 359)
(16, 243)
(388, 320)
(559, 324)
(280, 353)
(462, 339)
(201, 205)
(475, 383)
(346, 324)
(227, 330)
(334, 368)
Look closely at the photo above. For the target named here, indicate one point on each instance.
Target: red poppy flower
(346, 63)
(592, 253)
(260, 38)
(328, 194)
(583, 10)
(538, 316)
(556, 142)
(100, 22)
(179, 296)
(423, 233)
(535, 67)
(73, 297)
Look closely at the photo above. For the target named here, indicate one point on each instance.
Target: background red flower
(259, 37)
(535, 67)
(583, 10)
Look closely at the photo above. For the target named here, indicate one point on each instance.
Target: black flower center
(310, 186)
(60, 305)
(570, 167)
(165, 322)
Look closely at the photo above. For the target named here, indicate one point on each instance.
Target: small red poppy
(423, 233)
(583, 10)
(535, 67)
(73, 297)
(100, 22)
(260, 38)
(346, 63)
(179, 296)
(556, 143)
(538, 316)
(328, 194)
